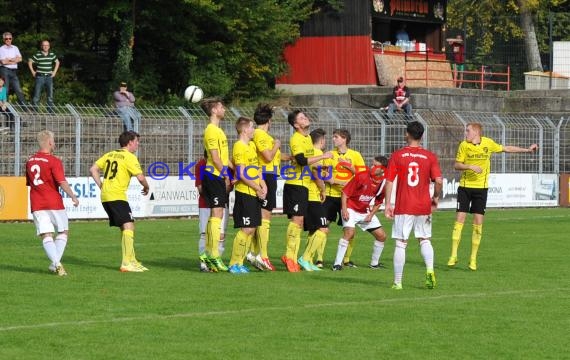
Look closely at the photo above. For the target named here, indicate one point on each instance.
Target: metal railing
(174, 135)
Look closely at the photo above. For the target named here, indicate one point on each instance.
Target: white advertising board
(179, 197)
(510, 190)
(90, 199)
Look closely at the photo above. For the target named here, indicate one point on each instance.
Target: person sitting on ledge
(400, 100)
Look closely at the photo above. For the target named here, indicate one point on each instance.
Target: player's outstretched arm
(516, 149)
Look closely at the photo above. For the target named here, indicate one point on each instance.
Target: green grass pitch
(514, 307)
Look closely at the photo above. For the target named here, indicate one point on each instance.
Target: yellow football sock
(253, 245)
(308, 254)
(213, 231)
(349, 250)
(293, 240)
(314, 244)
(262, 235)
(321, 249)
(456, 238)
(239, 248)
(476, 240)
(127, 242)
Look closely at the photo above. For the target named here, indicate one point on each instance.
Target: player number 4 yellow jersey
(300, 144)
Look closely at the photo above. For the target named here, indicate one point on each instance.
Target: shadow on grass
(343, 279)
(176, 263)
(31, 270)
(83, 262)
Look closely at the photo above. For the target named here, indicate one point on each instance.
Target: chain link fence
(174, 135)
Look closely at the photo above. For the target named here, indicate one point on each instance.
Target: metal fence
(174, 135)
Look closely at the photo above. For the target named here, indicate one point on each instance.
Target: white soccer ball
(193, 93)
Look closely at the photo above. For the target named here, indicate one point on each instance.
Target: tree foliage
(229, 48)
(489, 22)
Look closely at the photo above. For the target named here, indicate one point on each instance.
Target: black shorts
(247, 211)
(119, 212)
(271, 200)
(214, 190)
(470, 200)
(316, 217)
(332, 209)
(295, 200)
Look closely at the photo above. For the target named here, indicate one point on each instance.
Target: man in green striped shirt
(46, 66)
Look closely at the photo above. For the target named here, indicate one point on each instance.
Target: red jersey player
(44, 176)
(355, 210)
(415, 168)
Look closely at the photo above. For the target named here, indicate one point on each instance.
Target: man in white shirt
(9, 58)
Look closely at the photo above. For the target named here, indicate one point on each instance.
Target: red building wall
(334, 60)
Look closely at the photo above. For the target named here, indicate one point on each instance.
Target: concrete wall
(527, 101)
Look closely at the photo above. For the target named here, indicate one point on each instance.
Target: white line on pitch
(273, 308)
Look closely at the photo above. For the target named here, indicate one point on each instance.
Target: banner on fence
(89, 196)
(172, 197)
(510, 190)
(13, 198)
(179, 197)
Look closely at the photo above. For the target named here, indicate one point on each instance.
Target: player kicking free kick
(355, 210)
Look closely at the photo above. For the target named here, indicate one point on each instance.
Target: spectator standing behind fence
(4, 106)
(10, 57)
(458, 54)
(125, 103)
(46, 66)
(400, 100)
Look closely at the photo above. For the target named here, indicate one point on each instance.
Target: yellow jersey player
(269, 155)
(250, 190)
(345, 163)
(118, 167)
(215, 181)
(296, 189)
(474, 160)
(316, 221)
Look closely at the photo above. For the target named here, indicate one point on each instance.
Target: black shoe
(319, 264)
(376, 267)
(337, 268)
(350, 264)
